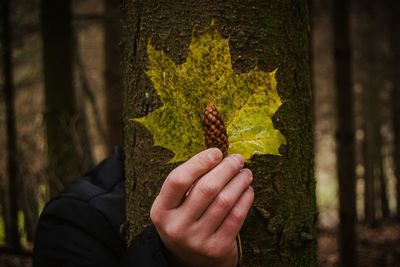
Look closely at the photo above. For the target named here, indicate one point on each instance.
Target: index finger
(182, 178)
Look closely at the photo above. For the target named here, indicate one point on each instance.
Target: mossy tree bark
(280, 229)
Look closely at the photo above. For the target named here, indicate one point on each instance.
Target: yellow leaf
(246, 101)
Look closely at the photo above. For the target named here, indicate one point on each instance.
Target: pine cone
(214, 129)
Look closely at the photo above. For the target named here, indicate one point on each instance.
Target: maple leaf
(246, 101)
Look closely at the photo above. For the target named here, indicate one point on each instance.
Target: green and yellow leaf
(246, 101)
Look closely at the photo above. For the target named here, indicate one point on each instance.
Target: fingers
(208, 187)
(181, 179)
(225, 201)
(234, 220)
(201, 208)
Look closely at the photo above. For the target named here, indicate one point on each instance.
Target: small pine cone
(214, 129)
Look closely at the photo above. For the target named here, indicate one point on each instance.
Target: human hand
(201, 208)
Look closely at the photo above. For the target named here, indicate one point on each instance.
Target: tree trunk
(371, 69)
(279, 230)
(113, 74)
(85, 97)
(383, 187)
(12, 233)
(81, 131)
(30, 207)
(385, 86)
(395, 79)
(370, 151)
(28, 193)
(59, 92)
(345, 134)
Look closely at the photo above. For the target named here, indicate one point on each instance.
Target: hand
(201, 208)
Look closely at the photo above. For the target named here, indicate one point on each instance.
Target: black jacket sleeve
(81, 227)
(72, 233)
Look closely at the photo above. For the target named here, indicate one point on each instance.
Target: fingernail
(249, 173)
(238, 158)
(214, 154)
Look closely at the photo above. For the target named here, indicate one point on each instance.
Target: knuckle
(173, 233)
(223, 202)
(243, 181)
(206, 190)
(176, 180)
(194, 245)
(236, 216)
(155, 215)
(203, 162)
(214, 251)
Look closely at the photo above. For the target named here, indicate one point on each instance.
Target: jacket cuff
(146, 250)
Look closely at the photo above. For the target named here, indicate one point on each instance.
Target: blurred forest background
(61, 103)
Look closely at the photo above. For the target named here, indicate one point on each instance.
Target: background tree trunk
(113, 74)
(371, 64)
(383, 186)
(59, 92)
(280, 228)
(395, 79)
(370, 148)
(371, 152)
(81, 129)
(30, 207)
(12, 234)
(345, 134)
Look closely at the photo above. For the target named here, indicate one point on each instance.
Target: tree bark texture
(345, 134)
(59, 92)
(12, 233)
(280, 228)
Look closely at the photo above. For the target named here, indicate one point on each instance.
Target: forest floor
(377, 247)
(15, 261)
